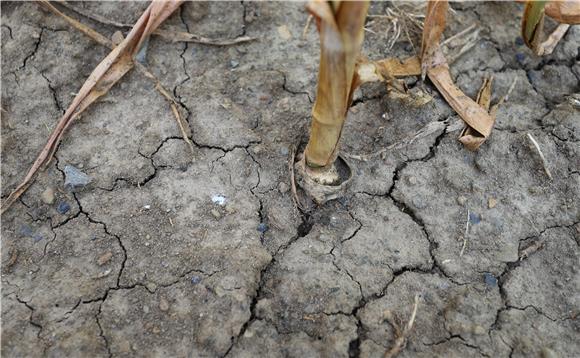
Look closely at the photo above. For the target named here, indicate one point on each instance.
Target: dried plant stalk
(341, 35)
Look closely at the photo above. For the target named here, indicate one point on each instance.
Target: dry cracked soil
(166, 253)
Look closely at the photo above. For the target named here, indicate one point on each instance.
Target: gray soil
(145, 263)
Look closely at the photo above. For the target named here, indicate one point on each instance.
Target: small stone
(147, 207)
(74, 178)
(262, 228)
(489, 279)
(148, 236)
(163, 304)
(26, 231)
(156, 330)
(47, 196)
(491, 203)
(479, 330)
(234, 63)
(474, 218)
(461, 200)
(419, 203)
(284, 32)
(63, 207)
(195, 280)
(412, 180)
(105, 258)
(145, 309)
(548, 353)
(151, 287)
(283, 187)
(216, 214)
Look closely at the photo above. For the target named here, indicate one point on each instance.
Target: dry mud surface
(147, 261)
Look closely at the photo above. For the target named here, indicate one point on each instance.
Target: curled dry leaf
(433, 63)
(104, 76)
(565, 12)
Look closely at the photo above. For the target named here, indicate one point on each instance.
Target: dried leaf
(435, 21)
(116, 40)
(469, 137)
(104, 76)
(100, 39)
(566, 12)
(471, 112)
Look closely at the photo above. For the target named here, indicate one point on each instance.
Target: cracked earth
(145, 263)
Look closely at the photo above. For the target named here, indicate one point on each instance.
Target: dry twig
(403, 335)
(544, 162)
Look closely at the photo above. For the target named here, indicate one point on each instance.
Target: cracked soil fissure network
(169, 253)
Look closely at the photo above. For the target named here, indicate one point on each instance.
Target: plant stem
(341, 36)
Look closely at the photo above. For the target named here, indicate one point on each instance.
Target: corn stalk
(340, 24)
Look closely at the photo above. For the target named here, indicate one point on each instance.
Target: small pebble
(195, 280)
(63, 207)
(26, 231)
(47, 196)
(474, 218)
(412, 180)
(163, 304)
(461, 200)
(147, 207)
(234, 63)
(491, 203)
(151, 286)
(262, 228)
(419, 203)
(74, 178)
(216, 214)
(145, 309)
(283, 187)
(489, 279)
(104, 258)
